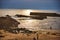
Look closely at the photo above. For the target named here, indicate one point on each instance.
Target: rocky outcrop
(8, 22)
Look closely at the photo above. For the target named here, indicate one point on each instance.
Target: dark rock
(8, 22)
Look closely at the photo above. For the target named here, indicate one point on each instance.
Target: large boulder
(8, 22)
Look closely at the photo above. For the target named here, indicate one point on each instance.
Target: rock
(8, 22)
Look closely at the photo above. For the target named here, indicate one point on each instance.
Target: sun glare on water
(27, 12)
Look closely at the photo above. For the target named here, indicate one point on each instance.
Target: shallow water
(34, 24)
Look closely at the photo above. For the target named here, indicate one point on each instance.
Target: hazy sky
(31, 4)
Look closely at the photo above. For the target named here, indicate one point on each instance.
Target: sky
(30, 4)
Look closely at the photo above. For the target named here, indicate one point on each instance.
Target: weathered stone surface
(8, 22)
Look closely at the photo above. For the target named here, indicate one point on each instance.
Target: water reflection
(33, 24)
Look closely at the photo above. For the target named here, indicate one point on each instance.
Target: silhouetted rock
(41, 16)
(21, 15)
